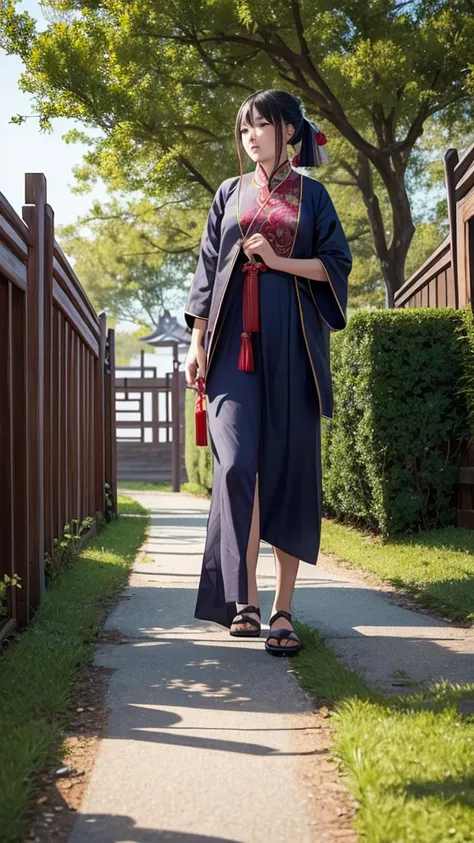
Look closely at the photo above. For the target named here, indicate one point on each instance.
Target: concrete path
(209, 738)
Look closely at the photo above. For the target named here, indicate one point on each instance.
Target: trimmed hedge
(403, 405)
(402, 408)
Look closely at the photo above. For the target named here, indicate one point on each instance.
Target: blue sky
(25, 149)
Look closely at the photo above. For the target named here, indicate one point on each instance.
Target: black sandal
(242, 617)
(280, 635)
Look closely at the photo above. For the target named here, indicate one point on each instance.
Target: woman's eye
(242, 131)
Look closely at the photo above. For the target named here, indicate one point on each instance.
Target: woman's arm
(330, 246)
(198, 302)
(306, 267)
(199, 329)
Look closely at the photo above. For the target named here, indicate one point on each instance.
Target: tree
(134, 259)
(163, 83)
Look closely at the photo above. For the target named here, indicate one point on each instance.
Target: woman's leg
(286, 569)
(253, 548)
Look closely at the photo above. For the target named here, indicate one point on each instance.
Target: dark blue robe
(265, 425)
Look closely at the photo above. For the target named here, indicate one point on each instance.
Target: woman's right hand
(195, 360)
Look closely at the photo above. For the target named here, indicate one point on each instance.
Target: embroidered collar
(261, 178)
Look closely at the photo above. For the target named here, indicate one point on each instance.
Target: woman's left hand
(257, 244)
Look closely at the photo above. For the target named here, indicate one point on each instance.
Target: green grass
(39, 670)
(135, 486)
(190, 488)
(436, 567)
(408, 761)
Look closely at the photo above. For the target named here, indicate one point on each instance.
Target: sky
(25, 149)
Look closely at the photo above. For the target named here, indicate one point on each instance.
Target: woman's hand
(195, 360)
(257, 244)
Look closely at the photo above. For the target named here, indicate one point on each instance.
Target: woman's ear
(290, 131)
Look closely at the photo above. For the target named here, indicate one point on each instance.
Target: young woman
(270, 284)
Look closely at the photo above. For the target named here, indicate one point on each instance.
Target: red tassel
(250, 300)
(251, 315)
(200, 414)
(246, 363)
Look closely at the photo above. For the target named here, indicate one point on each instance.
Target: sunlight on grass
(408, 761)
(38, 671)
(436, 567)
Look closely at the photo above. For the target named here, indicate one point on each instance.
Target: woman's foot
(281, 623)
(243, 625)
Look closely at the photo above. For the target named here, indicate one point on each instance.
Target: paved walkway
(209, 738)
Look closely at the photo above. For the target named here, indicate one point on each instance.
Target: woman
(271, 282)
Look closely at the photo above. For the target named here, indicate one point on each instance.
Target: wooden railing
(57, 437)
(446, 278)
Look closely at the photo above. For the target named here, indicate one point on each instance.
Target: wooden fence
(57, 401)
(446, 279)
(150, 425)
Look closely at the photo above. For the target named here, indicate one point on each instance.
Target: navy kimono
(264, 425)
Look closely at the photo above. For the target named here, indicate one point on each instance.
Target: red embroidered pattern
(278, 220)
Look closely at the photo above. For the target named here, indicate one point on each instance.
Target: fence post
(34, 216)
(110, 424)
(175, 421)
(48, 378)
(451, 159)
(99, 420)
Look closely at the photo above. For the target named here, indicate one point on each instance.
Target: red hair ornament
(320, 156)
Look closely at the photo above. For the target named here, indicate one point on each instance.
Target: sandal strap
(242, 617)
(255, 609)
(282, 634)
(280, 614)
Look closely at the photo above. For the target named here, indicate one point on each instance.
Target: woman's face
(259, 140)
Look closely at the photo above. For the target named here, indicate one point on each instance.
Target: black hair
(274, 105)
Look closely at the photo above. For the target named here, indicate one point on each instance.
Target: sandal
(280, 635)
(242, 617)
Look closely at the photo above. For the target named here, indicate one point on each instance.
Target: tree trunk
(392, 257)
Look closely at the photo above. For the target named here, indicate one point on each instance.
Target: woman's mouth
(255, 147)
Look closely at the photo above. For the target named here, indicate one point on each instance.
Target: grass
(436, 567)
(135, 486)
(408, 761)
(39, 670)
(190, 488)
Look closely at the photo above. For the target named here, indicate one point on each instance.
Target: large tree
(163, 82)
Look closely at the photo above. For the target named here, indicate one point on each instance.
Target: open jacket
(322, 304)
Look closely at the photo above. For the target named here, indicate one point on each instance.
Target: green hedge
(403, 404)
(403, 399)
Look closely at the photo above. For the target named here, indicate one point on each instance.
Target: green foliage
(65, 550)
(110, 512)
(156, 88)
(134, 259)
(393, 450)
(7, 582)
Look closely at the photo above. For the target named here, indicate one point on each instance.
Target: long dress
(265, 425)
(265, 422)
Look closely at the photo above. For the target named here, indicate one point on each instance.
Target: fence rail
(57, 443)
